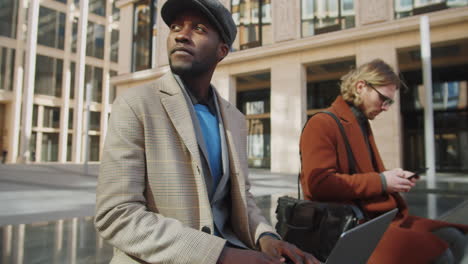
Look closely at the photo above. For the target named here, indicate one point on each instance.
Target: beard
(192, 68)
(188, 69)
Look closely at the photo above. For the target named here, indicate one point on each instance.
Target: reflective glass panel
(48, 79)
(51, 117)
(322, 16)
(253, 20)
(114, 56)
(94, 120)
(94, 148)
(95, 40)
(93, 77)
(7, 64)
(141, 35)
(8, 17)
(49, 147)
(97, 7)
(51, 30)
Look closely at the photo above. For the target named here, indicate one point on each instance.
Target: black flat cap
(214, 10)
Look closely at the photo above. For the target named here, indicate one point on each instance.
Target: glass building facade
(55, 76)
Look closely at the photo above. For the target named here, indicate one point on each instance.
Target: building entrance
(450, 103)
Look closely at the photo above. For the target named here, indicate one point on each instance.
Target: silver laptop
(356, 245)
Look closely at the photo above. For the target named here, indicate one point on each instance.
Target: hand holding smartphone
(416, 174)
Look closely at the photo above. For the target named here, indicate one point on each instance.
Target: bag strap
(351, 160)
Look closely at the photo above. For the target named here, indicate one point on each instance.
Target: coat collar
(356, 138)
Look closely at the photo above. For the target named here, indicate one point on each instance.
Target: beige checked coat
(152, 202)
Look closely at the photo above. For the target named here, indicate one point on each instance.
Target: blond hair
(376, 72)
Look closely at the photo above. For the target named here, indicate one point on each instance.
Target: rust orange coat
(325, 178)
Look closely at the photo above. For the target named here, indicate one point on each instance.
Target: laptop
(356, 245)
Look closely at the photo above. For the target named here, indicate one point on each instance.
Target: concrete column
(288, 113)
(387, 126)
(7, 244)
(370, 11)
(13, 148)
(64, 110)
(226, 86)
(30, 73)
(286, 18)
(79, 82)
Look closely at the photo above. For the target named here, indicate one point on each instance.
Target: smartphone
(416, 173)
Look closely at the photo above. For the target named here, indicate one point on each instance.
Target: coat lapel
(221, 188)
(231, 133)
(176, 106)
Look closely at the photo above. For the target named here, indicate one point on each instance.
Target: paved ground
(40, 195)
(37, 193)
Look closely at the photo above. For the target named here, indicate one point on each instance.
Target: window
(7, 64)
(322, 16)
(323, 83)
(48, 76)
(114, 49)
(97, 7)
(93, 77)
(69, 146)
(405, 8)
(51, 29)
(74, 35)
(49, 146)
(253, 30)
(34, 115)
(93, 148)
(115, 12)
(449, 97)
(94, 120)
(253, 99)
(8, 18)
(144, 33)
(256, 106)
(95, 40)
(32, 146)
(72, 80)
(70, 118)
(321, 94)
(51, 117)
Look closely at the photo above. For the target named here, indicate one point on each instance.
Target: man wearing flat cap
(173, 184)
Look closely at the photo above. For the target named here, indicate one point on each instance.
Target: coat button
(206, 229)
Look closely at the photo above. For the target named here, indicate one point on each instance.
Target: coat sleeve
(324, 158)
(122, 217)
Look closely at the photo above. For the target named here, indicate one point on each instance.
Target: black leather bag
(315, 227)
(312, 226)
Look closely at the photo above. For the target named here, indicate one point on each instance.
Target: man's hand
(397, 180)
(279, 249)
(244, 256)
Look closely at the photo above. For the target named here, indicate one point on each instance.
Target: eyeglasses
(386, 101)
